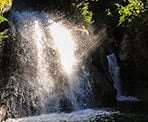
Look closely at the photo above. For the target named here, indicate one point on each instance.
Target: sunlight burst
(65, 45)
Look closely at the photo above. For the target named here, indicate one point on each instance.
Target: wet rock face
(19, 4)
(46, 5)
(104, 90)
(3, 28)
(133, 57)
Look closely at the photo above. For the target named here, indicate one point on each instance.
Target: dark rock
(144, 96)
(46, 5)
(19, 4)
(104, 90)
(133, 57)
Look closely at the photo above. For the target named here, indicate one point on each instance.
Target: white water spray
(88, 115)
(47, 55)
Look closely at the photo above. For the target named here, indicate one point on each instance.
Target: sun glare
(65, 45)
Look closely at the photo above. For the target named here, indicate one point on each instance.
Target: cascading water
(46, 72)
(114, 70)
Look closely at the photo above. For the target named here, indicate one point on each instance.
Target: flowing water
(44, 65)
(114, 70)
(87, 115)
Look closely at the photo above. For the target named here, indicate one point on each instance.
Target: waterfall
(114, 70)
(45, 69)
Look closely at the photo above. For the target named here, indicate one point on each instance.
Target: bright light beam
(65, 45)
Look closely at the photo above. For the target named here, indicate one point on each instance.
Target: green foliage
(2, 34)
(123, 10)
(83, 7)
(2, 19)
(4, 7)
(109, 13)
(128, 12)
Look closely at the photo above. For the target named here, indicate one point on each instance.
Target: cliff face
(46, 5)
(133, 57)
(105, 93)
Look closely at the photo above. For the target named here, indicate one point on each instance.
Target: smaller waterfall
(114, 70)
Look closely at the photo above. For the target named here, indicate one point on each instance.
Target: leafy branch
(83, 7)
(5, 5)
(128, 12)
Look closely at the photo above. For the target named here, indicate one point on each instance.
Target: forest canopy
(121, 10)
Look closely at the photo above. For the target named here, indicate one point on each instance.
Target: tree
(5, 5)
(2, 34)
(122, 11)
(129, 11)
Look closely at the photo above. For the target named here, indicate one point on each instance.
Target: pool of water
(123, 112)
